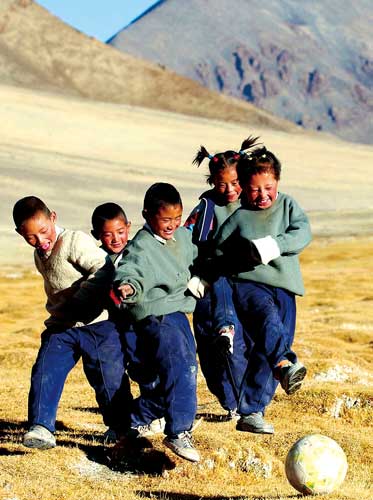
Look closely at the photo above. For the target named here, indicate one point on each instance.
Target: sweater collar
(156, 236)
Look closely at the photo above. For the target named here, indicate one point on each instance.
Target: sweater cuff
(268, 249)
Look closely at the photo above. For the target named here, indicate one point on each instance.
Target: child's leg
(261, 311)
(214, 368)
(168, 340)
(260, 384)
(104, 364)
(151, 405)
(223, 311)
(58, 354)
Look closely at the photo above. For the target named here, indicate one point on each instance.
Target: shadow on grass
(89, 409)
(212, 417)
(169, 495)
(4, 452)
(135, 456)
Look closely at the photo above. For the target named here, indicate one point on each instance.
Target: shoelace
(186, 438)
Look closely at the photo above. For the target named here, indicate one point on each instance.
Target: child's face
(114, 234)
(227, 185)
(40, 231)
(261, 190)
(165, 222)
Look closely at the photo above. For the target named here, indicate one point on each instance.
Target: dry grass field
(334, 339)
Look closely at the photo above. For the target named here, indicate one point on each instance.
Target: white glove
(197, 286)
(267, 248)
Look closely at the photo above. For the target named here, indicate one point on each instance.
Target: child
(111, 226)
(260, 244)
(223, 374)
(151, 280)
(66, 259)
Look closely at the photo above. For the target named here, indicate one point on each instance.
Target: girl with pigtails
(220, 343)
(258, 248)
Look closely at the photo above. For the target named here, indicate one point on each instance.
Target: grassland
(334, 339)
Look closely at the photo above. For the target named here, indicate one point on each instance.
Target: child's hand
(125, 290)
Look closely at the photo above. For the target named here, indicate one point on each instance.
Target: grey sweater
(288, 226)
(159, 273)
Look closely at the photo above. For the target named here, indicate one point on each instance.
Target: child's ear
(144, 213)
(53, 216)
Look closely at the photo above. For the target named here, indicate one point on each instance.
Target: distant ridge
(308, 62)
(39, 51)
(147, 11)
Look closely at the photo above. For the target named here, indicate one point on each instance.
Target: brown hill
(39, 51)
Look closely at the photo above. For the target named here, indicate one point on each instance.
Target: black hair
(159, 195)
(257, 161)
(104, 212)
(28, 207)
(221, 161)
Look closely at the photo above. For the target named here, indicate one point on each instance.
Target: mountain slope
(39, 51)
(309, 62)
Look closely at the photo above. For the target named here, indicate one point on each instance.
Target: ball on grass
(315, 464)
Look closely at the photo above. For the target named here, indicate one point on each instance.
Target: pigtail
(249, 143)
(201, 155)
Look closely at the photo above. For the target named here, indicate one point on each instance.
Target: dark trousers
(223, 375)
(268, 316)
(150, 405)
(223, 310)
(100, 348)
(166, 344)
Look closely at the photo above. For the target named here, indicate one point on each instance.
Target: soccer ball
(315, 464)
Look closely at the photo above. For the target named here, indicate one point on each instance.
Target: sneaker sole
(180, 453)
(294, 383)
(38, 443)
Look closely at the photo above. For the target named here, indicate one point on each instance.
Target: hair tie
(210, 157)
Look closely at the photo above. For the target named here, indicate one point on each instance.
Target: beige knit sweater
(74, 258)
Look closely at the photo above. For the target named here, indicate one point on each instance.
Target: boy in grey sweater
(151, 281)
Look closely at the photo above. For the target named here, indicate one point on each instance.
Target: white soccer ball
(315, 464)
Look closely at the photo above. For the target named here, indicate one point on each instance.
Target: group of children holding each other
(234, 265)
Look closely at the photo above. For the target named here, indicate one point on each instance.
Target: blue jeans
(223, 311)
(268, 316)
(99, 346)
(166, 343)
(219, 372)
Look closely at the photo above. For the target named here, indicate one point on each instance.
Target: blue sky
(98, 18)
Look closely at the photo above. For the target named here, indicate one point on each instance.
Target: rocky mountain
(38, 51)
(308, 62)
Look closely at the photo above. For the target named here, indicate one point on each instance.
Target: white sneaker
(155, 427)
(183, 447)
(39, 437)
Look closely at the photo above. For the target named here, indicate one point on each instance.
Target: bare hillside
(39, 51)
(310, 62)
